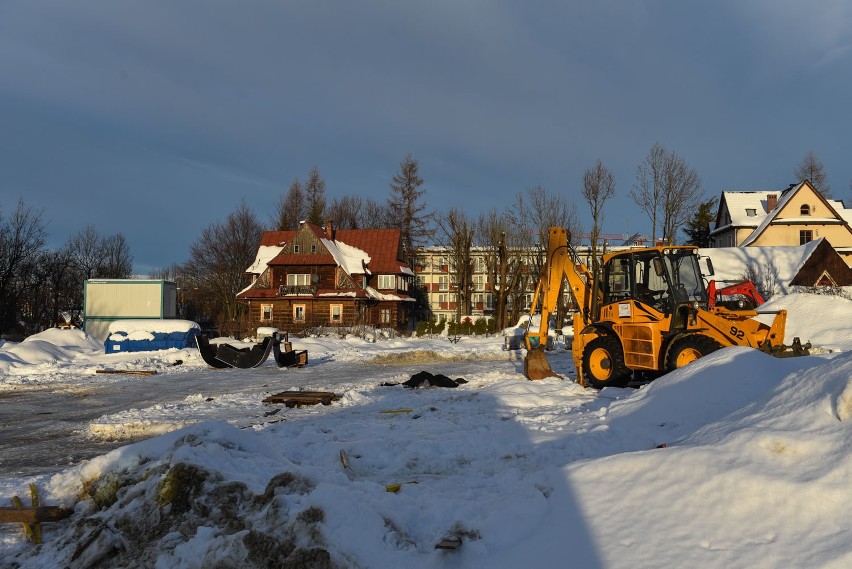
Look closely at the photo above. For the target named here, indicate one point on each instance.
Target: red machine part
(745, 289)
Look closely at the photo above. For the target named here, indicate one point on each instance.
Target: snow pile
(819, 319)
(51, 346)
(764, 486)
(736, 460)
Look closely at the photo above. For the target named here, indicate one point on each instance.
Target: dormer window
(751, 212)
(805, 209)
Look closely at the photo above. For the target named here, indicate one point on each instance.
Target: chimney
(329, 229)
(771, 202)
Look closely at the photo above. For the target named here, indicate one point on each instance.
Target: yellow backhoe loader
(647, 312)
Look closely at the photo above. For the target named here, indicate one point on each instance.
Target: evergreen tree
(315, 196)
(698, 227)
(291, 208)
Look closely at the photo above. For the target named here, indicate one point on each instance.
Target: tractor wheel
(603, 363)
(688, 349)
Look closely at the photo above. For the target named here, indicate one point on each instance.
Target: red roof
(382, 245)
(259, 293)
(277, 238)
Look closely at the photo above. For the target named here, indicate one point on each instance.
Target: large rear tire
(688, 349)
(603, 363)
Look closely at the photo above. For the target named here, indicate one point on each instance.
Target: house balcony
(297, 290)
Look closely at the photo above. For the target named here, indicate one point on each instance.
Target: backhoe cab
(647, 312)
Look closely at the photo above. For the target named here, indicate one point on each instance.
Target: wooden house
(319, 276)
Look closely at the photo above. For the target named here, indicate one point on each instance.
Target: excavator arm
(561, 263)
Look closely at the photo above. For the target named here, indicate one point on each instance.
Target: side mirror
(709, 272)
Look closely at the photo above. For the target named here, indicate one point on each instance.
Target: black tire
(688, 349)
(603, 363)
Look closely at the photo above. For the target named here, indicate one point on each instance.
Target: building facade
(322, 277)
(795, 216)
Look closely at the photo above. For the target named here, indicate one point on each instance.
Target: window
(479, 282)
(295, 248)
(443, 283)
(805, 236)
(825, 280)
(335, 313)
(387, 282)
(385, 315)
(298, 313)
(313, 248)
(805, 209)
(266, 312)
(298, 280)
(751, 212)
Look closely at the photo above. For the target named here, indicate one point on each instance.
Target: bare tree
(682, 193)
(84, 247)
(667, 190)
(456, 235)
(217, 264)
(498, 242)
(812, 170)
(375, 215)
(534, 213)
(290, 209)
(315, 197)
(406, 207)
(116, 258)
(598, 187)
(21, 242)
(355, 212)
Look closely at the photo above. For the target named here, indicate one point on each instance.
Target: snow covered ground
(737, 460)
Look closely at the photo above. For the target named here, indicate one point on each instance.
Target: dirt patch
(431, 356)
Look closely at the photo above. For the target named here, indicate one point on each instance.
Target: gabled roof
(785, 199)
(738, 204)
(357, 251)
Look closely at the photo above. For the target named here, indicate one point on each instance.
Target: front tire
(688, 349)
(603, 363)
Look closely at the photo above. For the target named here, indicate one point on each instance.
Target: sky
(155, 119)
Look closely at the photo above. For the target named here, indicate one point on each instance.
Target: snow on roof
(730, 263)
(844, 213)
(166, 326)
(406, 271)
(373, 293)
(265, 253)
(740, 202)
(349, 258)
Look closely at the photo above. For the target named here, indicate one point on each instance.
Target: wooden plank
(293, 398)
(34, 515)
(128, 371)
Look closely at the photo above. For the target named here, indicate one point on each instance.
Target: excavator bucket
(536, 365)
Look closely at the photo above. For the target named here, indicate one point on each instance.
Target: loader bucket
(794, 350)
(536, 365)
